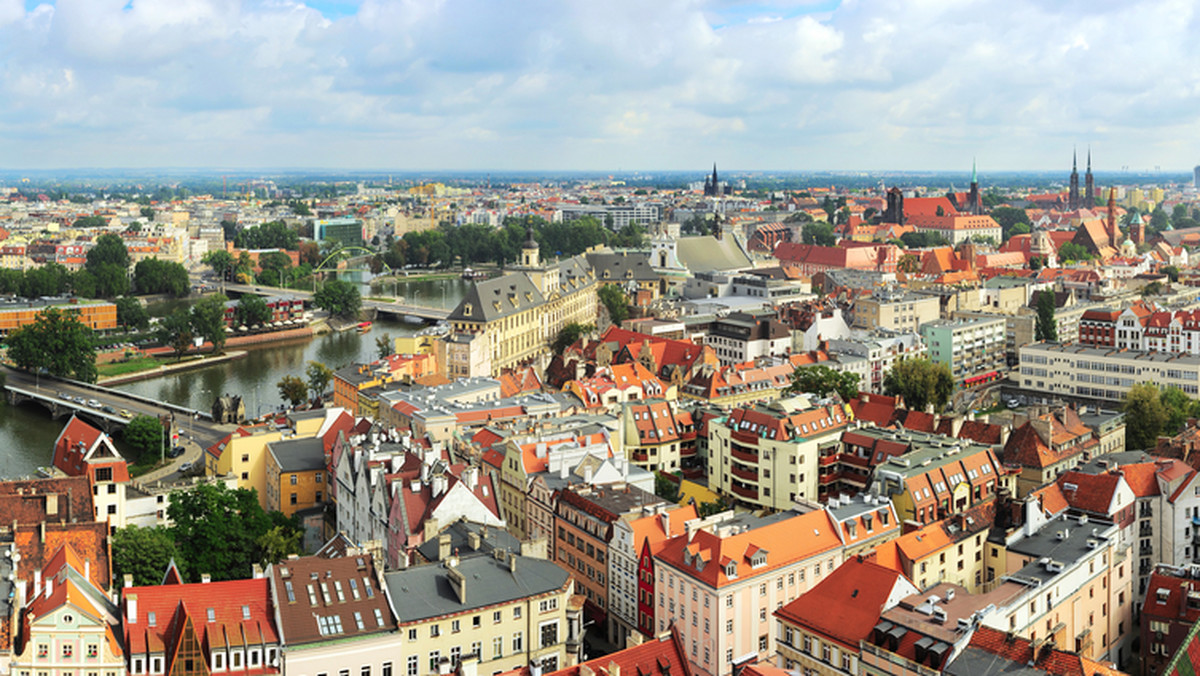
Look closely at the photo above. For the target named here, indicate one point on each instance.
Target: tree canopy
(818, 233)
(319, 376)
(158, 276)
(57, 342)
(252, 310)
(220, 260)
(293, 389)
(569, 334)
(108, 263)
(615, 302)
(144, 435)
(269, 235)
(338, 298)
(220, 531)
(131, 313)
(208, 320)
(144, 553)
(921, 382)
(922, 240)
(1145, 416)
(1046, 327)
(821, 380)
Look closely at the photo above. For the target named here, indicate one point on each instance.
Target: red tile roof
(846, 605)
(1020, 652)
(1089, 492)
(662, 656)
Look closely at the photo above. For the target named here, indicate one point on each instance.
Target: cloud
(562, 84)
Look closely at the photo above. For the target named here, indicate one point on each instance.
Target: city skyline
(460, 85)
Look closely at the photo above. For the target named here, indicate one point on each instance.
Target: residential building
(83, 450)
(928, 476)
(661, 655)
(1089, 374)
(297, 475)
(508, 609)
(1171, 607)
(895, 309)
(204, 627)
(820, 632)
(769, 456)
(1047, 444)
(720, 581)
(629, 612)
(879, 350)
(809, 259)
(864, 522)
(741, 338)
(973, 348)
(68, 625)
(952, 550)
(658, 435)
(333, 613)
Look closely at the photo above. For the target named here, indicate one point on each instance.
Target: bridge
(396, 309)
(63, 397)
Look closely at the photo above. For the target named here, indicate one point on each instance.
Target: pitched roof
(1017, 656)
(662, 656)
(229, 613)
(846, 604)
(310, 590)
(1089, 492)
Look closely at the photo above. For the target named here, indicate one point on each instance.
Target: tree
(278, 543)
(293, 389)
(143, 553)
(922, 240)
(384, 346)
(1145, 416)
(1152, 289)
(270, 235)
(820, 234)
(1009, 218)
(921, 382)
(1158, 221)
(50, 279)
(665, 487)
(1171, 272)
(220, 260)
(1035, 263)
(569, 334)
(252, 310)
(217, 530)
(131, 313)
(1070, 251)
(176, 331)
(338, 298)
(208, 320)
(144, 434)
(157, 276)
(821, 380)
(319, 376)
(1179, 407)
(108, 260)
(56, 342)
(614, 300)
(1046, 327)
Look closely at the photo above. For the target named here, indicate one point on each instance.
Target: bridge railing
(127, 395)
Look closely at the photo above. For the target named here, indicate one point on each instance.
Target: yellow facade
(245, 459)
(289, 492)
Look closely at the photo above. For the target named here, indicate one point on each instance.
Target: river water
(27, 432)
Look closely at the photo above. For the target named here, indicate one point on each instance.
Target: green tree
(89, 222)
(665, 487)
(1145, 417)
(922, 240)
(1152, 289)
(1009, 218)
(818, 233)
(1171, 272)
(84, 285)
(56, 342)
(131, 313)
(278, 543)
(1179, 407)
(144, 435)
(820, 380)
(1071, 251)
(208, 320)
(615, 301)
(50, 279)
(143, 553)
(217, 530)
(1035, 263)
(384, 346)
(269, 235)
(252, 310)
(319, 376)
(176, 331)
(220, 260)
(1046, 327)
(158, 276)
(108, 249)
(1158, 221)
(292, 389)
(569, 334)
(921, 382)
(338, 298)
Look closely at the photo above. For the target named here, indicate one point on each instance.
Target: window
(365, 670)
(498, 647)
(358, 621)
(412, 634)
(455, 626)
(518, 642)
(762, 642)
(435, 630)
(477, 621)
(43, 650)
(292, 478)
(546, 605)
(68, 651)
(378, 618)
(412, 666)
(435, 656)
(496, 616)
(728, 626)
(516, 612)
(386, 669)
(92, 650)
(549, 633)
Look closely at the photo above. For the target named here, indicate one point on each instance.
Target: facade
(297, 475)
(769, 456)
(508, 609)
(742, 338)
(628, 613)
(720, 582)
(973, 348)
(895, 309)
(658, 436)
(96, 315)
(1171, 608)
(1102, 375)
(83, 450)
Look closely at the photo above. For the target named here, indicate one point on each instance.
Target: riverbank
(175, 367)
(153, 370)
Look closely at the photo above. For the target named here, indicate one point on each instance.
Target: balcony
(855, 460)
(751, 458)
(744, 436)
(827, 460)
(744, 491)
(746, 474)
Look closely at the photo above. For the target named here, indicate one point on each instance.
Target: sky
(608, 85)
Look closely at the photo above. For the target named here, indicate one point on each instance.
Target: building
(821, 631)
(895, 309)
(68, 623)
(661, 655)
(96, 315)
(720, 582)
(864, 521)
(630, 590)
(509, 610)
(973, 348)
(83, 450)
(297, 475)
(658, 436)
(346, 231)
(1046, 445)
(741, 338)
(1089, 374)
(1171, 608)
(809, 259)
(927, 476)
(201, 628)
(333, 612)
(769, 456)
(518, 314)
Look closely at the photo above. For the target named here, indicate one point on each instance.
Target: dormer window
(467, 309)
(731, 570)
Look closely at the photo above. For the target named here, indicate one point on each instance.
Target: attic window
(152, 619)
(467, 309)
(212, 615)
(731, 570)
(245, 612)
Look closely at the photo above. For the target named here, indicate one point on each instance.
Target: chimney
(473, 541)
(37, 582)
(666, 522)
(131, 608)
(51, 504)
(512, 563)
(205, 578)
(443, 546)
(614, 669)
(128, 580)
(256, 571)
(470, 476)
(87, 569)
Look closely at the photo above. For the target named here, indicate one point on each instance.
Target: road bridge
(400, 310)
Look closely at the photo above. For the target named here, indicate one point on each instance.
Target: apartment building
(879, 351)
(973, 348)
(1046, 445)
(895, 309)
(1102, 375)
(720, 582)
(509, 610)
(658, 436)
(1171, 608)
(628, 611)
(742, 338)
(769, 456)
(927, 476)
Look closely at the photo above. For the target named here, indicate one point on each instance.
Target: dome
(530, 242)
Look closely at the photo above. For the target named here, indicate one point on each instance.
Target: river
(27, 432)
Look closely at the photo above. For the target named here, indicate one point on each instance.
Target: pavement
(192, 452)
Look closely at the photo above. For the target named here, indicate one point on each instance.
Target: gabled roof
(1092, 493)
(992, 653)
(322, 588)
(240, 614)
(491, 299)
(662, 656)
(845, 606)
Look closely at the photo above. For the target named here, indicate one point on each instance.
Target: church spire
(1089, 167)
(973, 176)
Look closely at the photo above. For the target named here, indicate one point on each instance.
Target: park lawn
(120, 368)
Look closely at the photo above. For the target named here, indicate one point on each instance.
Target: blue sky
(574, 84)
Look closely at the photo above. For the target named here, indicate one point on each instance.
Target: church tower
(1114, 235)
(712, 188)
(529, 251)
(1073, 191)
(1089, 185)
(974, 205)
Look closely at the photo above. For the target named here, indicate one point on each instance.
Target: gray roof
(298, 455)
(704, 253)
(624, 266)
(1045, 544)
(978, 662)
(490, 539)
(423, 592)
(499, 297)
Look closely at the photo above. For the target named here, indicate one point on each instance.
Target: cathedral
(713, 187)
(1088, 200)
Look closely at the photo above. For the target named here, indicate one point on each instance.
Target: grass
(138, 469)
(120, 368)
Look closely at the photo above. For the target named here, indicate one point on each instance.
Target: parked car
(175, 452)
(93, 403)
(187, 467)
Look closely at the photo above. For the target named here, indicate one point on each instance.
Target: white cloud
(467, 84)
